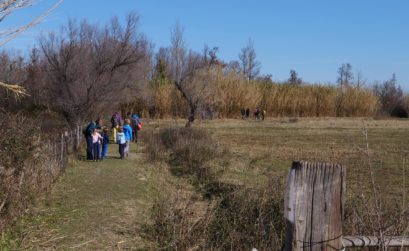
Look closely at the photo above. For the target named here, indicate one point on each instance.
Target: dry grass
(246, 188)
(261, 150)
(227, 92)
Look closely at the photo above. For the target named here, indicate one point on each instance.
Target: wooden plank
(314, 206)
(373, 241)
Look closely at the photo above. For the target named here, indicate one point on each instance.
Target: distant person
(128, 136)
(105, 142)
(257, 113)
(247, 112)
(115, 122)
(120, 139)
(243, 113)
(263, 114)
(88, 131)
(96, 144)
(128, 115)
(136, 124)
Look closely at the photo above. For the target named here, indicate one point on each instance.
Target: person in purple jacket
(128, 135)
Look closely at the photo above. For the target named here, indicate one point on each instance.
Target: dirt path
(95, 206)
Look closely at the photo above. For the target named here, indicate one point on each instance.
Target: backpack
(139, 126)
(135, 121)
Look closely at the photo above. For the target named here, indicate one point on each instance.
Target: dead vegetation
(27, 167)
(218, 215)
(241, 206)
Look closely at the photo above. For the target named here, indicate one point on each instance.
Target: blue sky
(313, 37)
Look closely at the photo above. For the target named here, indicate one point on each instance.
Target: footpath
(94, 206)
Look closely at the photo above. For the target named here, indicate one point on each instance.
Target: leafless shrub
(373, 212)
(240, 220)
(190, 150)
(248, 218)
(177, 224)
(153, 146)
(25, 166)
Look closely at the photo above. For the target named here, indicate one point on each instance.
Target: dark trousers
(97, 151)
(89, 147)
(134, 134)
(122, 150)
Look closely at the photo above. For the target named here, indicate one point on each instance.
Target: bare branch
(13, 5)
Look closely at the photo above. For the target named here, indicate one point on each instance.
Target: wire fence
(67, 143)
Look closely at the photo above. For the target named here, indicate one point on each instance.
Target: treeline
(87, 70)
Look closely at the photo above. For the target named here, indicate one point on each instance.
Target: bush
(399, 112)
(153, 146)
(176, 224)
(191, 150)
(248, 218)
(25, 166)
(243, 219)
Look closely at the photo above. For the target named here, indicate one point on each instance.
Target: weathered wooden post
(314, 206)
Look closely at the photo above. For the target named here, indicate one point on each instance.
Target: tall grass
(217, 215)
(226, 92)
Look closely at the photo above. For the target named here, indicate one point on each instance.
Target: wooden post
(314, 206)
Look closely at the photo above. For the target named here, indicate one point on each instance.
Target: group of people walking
(124, 132)
(258, 113)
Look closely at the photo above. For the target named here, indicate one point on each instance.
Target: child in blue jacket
(128, 136)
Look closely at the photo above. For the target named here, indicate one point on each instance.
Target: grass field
(106, 205)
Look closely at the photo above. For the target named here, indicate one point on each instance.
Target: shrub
(25, 166)
(242, 219)
(248, 218)
(176, 225)
(399, 112)
(190, 150)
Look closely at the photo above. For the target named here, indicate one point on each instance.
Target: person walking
(96, 144)
(120, 139)
(128, 136)
(135, 121)
(88, 131)
(115, 122)
(105, 143)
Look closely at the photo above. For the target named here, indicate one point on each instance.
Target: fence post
(314, 206)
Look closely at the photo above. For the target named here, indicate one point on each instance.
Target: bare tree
(390, 95)
(92, 69)
(250, 67)
(360, 82)
(345, 75)
(183, 66)
(294, 79)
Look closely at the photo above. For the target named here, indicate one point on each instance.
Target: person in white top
(120, 139)
(96, 144)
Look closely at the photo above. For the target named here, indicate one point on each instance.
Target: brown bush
(242, 219)
(189, 151)
(177, 225)
(248, 218)
(26, 166)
